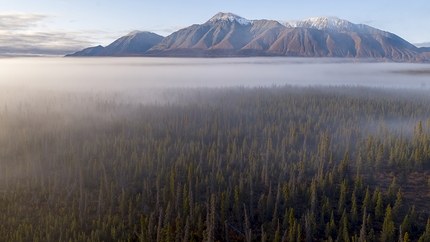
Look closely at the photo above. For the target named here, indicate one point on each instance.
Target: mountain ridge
(230, 35)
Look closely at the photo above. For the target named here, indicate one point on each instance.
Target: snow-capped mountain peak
(230, 17)
(324, 23)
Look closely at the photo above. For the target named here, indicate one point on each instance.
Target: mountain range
(228, 35)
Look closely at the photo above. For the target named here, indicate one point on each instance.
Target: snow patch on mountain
(325, 23)
(231, 17)
(135, 32)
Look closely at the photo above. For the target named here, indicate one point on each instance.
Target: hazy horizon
(133, 73)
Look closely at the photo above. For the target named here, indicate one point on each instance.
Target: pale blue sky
(61, 26)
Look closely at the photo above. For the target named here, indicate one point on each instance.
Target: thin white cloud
(164, 31)
(41, 43)
(173, 29)
(368, 22)
(19, 21)
(425, 44)
(24, 34)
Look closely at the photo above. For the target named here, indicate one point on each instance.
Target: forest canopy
(280, 163)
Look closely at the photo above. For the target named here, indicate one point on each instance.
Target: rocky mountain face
(227, 34)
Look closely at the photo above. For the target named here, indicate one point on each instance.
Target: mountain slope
(134, 43)
(227, 34)
(222, 33)
(90, 51)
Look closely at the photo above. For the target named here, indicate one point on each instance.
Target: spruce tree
(388, 229)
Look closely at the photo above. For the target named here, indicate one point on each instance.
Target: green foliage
(426, 235)
(406, 237)
(398, 204)
(379, 208)
(388, 229)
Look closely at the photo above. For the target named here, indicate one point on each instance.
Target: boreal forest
(276, 163)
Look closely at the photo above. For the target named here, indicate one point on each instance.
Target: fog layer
(132, 73)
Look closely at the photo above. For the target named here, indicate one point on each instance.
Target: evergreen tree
(426, 236)
(406, 237)
(342, 198)
(398, 204)
(388, 229)
(354, 213)
(363, 229)
(379, 209)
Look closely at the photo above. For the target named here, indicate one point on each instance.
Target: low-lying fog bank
(95, 74)
(111, 88)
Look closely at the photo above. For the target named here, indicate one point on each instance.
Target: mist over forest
(100, 74)
(241, 149)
